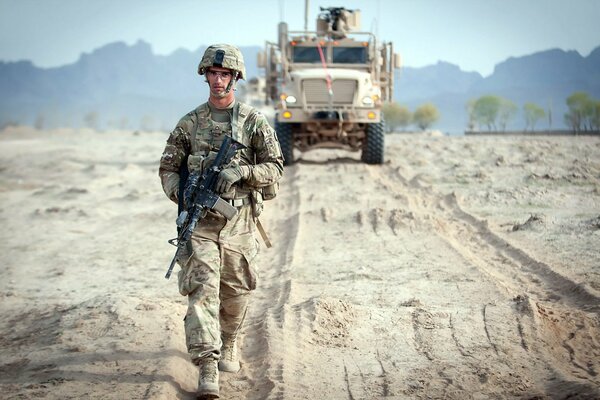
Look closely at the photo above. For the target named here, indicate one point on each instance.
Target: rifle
(199, 196)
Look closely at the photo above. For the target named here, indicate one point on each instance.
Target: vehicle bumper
(299, 115)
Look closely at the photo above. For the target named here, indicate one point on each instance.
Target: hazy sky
(474, 34)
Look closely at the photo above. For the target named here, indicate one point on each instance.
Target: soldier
(220, 271)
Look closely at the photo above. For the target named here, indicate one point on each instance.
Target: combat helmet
(224, 56)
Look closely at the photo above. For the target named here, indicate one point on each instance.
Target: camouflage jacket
(197, 134)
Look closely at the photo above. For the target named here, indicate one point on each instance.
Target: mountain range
(130, 87)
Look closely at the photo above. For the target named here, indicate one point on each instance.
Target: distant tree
(91, 120)
(581, 110)
(396, 116)
(492, 111)
(472, 124)
(485, 111)
(425, 116)
(507, 112)
(549, 114)
(595, 120)
(533, 113)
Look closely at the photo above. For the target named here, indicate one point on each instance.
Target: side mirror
(397, 60)
(261, 59)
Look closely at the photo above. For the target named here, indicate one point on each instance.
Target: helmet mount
(219, 55)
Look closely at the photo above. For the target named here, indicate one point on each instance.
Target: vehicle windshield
(349, 55)
(341, 55)
(306, 55)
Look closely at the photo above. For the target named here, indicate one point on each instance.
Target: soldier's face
(218, 79)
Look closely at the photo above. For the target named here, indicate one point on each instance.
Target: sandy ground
(463, 268)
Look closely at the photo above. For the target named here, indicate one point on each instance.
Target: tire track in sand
(285, 343)
(510, 267)
(264, 345)
(532, 285)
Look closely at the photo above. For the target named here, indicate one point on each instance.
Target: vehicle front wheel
(286, 141)
(374, 145)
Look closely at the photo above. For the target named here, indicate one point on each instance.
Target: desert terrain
(462, 268)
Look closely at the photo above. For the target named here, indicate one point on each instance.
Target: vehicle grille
(315, 91)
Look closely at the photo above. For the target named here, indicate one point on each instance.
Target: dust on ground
(462, 268)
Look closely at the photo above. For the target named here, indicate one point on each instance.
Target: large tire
(374, 145)
(286, 141)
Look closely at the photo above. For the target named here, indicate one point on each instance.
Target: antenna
(281, 10)
(375, 21)
(306, 7)
(378, 17)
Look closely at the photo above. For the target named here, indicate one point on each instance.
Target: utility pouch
(257, 203)
(194, 163)
(198, 162)
(270, 192)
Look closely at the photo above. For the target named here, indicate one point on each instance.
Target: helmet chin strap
(231, 84)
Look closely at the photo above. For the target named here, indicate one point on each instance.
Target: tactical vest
(207, 135)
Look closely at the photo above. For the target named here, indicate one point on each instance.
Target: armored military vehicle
(328, 86)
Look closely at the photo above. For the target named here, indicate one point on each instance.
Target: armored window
(306, 55)
(349, 55)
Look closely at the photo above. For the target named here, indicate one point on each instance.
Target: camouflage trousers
(218, 276)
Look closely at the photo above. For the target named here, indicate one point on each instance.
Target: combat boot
(229, 361)
(208, 379)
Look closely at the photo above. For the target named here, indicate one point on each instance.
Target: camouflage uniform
(221, 269)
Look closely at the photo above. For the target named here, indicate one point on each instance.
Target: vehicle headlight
(367, 101)
(290, 99)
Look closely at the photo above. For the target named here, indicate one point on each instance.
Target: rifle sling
(263, 233)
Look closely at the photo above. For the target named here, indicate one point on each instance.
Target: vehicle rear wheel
(286, 141)
(374, 145)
